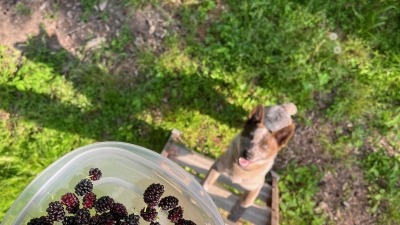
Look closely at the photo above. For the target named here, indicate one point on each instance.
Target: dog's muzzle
(247, 154)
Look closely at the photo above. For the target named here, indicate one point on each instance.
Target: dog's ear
(284, 135)
(257, 115)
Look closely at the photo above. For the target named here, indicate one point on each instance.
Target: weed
(23, 9)
(382, 173)
(344, 141)
(118, 44)
(391, 214)
(53, 13)
(9, 61)
(140, 3)
(88, 7)
(298, 186)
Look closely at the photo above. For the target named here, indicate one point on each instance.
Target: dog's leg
(236, 212)
(249, 197)
(244, 202)
(211, 177)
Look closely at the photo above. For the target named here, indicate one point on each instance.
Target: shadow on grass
(116, 110)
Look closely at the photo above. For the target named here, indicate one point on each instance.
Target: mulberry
(175, 214)
(43, 220)
(71, 202)
(168, 202)
(106, 219)
(95, 174)
(69, 220)
(83, 187)
(153, 194)
(88, 200)
(185, 222)
(149, 214)
(73, 209)
(103, 204)
(119, 211)
(132, 219)
(55, 211)
(82, 216)
(95, 220)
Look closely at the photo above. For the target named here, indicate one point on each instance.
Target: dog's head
(259, 140)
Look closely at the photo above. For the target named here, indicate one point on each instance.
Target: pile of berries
(152, 197)
(84, 207)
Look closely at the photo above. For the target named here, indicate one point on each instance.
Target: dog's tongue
(243, 162)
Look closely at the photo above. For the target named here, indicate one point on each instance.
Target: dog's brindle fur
(250, 157)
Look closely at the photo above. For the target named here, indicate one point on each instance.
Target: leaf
(378, 197)
(289, 178)
(323, 79)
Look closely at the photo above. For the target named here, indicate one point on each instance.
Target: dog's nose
(247, 154)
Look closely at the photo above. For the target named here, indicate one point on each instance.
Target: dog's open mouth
(243, 162)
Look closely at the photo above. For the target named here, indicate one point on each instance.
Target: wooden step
(264, 214)
(201, 164)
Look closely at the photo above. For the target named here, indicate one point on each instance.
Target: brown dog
(252, 153)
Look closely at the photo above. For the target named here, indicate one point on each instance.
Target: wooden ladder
(266, 213)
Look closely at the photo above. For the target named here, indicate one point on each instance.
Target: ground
(343, 191)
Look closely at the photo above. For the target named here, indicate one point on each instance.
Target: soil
(343, 191)
(342, 194)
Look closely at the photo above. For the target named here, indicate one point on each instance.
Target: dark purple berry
(43, 220)
(106, 219)
(119, 211)
(83, 187)
(153, 194)
(88, 200)
(132, 219)
(175, 214)
(72, 210)
(149, 214)
(34, 221)
(185, 222)
(155, 223)
(82, 216)
(55, 211)
(95, 220)
(168, 202)
(95, 174)
(103, 204)
(69, 220)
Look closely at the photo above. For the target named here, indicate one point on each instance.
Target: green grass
(88, 7)
(23, 9)
(382, 173)
(206, 82)
(298, 187)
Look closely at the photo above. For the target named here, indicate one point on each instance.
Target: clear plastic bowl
(127, 171)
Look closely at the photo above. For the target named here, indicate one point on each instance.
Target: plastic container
(127, 171)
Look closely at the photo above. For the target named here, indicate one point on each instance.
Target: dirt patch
(15, 25)
(343, 196)
(4, 115)
(77, 27)
(63, 19)
(342, 193)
